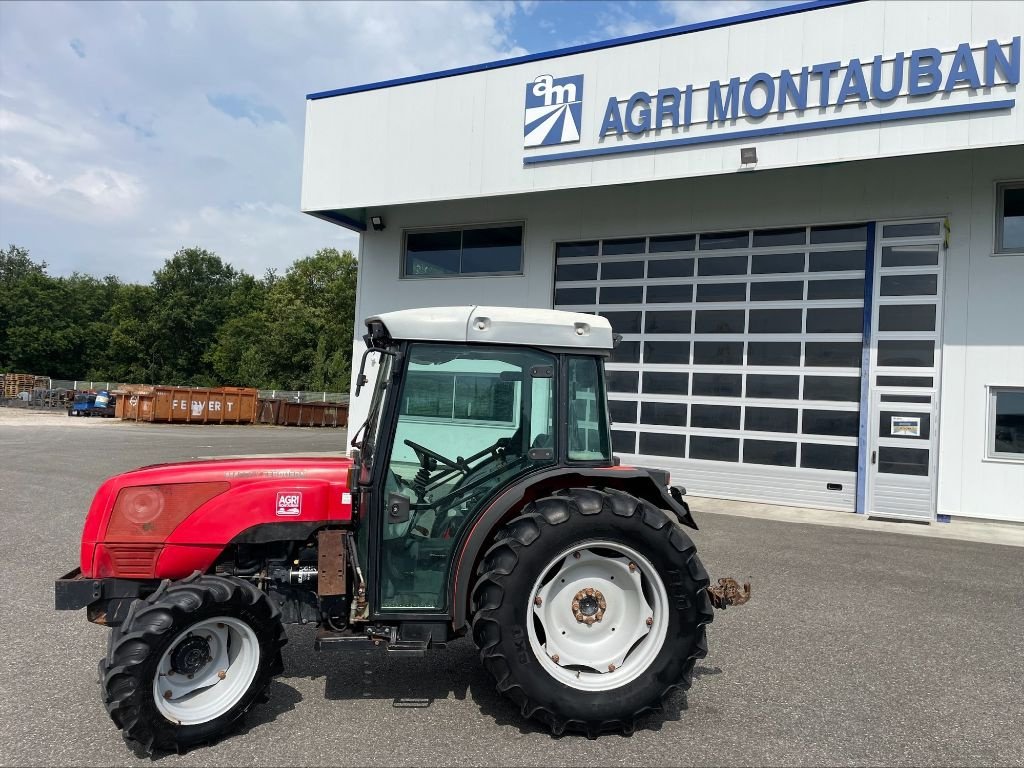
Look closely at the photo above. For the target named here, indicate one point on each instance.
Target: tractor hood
(167, 520)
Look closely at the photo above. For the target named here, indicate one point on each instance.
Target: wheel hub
(589, 606)
(191, 655)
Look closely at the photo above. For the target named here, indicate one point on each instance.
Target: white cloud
(184, 122)
(691, 11)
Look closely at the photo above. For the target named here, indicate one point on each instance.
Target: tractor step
(411, 639)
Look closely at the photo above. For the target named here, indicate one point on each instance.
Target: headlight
(151, 512)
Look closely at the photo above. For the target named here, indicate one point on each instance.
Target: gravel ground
(859, 648)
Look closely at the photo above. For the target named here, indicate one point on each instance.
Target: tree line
(199, 322)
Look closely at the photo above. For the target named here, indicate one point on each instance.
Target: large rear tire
(190, 660)
(590, 609)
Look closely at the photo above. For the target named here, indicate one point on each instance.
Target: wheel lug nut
(576, 555)
(167, 694)
(632, 567)
(555, 658)
(650, 621)
(611, 667)
(191, 676)
(538, 600)
(222, 674)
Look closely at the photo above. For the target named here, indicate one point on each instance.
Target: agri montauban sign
(902, 86)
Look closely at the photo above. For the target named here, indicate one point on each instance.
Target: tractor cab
(466, 401)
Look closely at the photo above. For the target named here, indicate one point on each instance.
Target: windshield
(372, 424)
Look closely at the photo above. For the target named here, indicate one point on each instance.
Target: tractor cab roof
(549, 328)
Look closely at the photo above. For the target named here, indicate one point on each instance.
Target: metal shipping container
(292, 414)
(191, 405)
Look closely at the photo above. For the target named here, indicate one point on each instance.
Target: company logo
(554, 110)
(289, 504)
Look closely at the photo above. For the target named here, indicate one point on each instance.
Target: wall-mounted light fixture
(377, 223)
(748, 156)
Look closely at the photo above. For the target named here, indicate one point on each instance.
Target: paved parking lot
(859, 648)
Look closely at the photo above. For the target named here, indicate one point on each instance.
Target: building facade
(806, 224)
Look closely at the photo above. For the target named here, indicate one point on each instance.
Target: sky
(130, 130)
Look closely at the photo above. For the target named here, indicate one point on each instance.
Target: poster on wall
(905, 426)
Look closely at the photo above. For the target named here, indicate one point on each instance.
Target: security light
(377, 223)
(748, 155)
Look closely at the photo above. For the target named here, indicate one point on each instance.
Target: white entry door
(905, 354)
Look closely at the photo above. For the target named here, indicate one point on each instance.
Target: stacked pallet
(16, 383)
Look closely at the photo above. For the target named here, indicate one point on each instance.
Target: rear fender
(480, 533)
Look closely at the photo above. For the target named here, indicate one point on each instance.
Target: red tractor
(482, 497)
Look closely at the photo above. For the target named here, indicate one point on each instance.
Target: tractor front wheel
(190, 660)
(590, 609)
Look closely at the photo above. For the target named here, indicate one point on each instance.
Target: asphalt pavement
(859, 647)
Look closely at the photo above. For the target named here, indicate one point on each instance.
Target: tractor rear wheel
(190, 660)
(590, 609)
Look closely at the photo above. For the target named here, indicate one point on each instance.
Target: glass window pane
(623, 322)
(906, 398)
(773, 353)
(770, 419)
(1009, 422)
(667, 352)
(429, 395)
(578, 271)
(672, 243)
(771, 452)
(714, 448)
(1013, 219)
(777, 290)
(906, 317)
(668, 414)
(910, 255)
(906, 354)
(625, 352)
(433, 254)
(777, 387)
(720, 321)
(776, 320)
(909, 285)
(664, 294)
(569, 296)
(843, 233)
(715, 416)
(668, 322)
(722, 265)
(903, 381)
(622, 294)
(670, 267)
(576, 250)
(917, 229)
(718, 240)
(836, 457)
(777, 263)
(665, 383)
(835, 320)
(837, 388)
(657, 444)
(903, 461)
(623, 246)
(722, 292)
(835, 289)
(622, 270)
(836, 261)
(718, 353)
(623, 442)
(588, 430)
(768, 238)
(831, 423)
(915, 425)
(623, 381)
(492, 250)
(718, 384)
(483, 398)
(833, 354)
(622, 411)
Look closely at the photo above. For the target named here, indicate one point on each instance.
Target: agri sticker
(289, 504)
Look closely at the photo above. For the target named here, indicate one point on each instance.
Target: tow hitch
(728, 592)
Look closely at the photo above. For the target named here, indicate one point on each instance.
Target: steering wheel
(423, 453)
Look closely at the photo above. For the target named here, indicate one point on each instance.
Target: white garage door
(739, 366)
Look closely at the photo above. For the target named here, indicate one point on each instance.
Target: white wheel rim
(587, 646)
(213, 685)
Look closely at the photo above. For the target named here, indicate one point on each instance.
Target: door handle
(874, 457)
